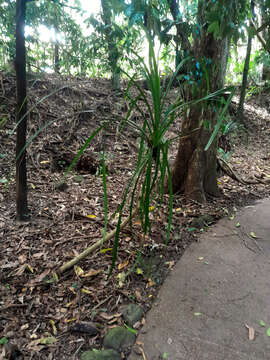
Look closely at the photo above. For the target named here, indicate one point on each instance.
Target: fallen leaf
(106, 316)
(251, 332)
(91, 216)
(78, 270)
(150, 283)
(53, 327)
(138, 295)
(48, 340)
(238, 224)
(103, 251)
(262, 323)
(91, 273)
(197, 314)
(86, 291)
(122, 265)
(268, 332)
(252, 234)
(29, 267)
(139, 271)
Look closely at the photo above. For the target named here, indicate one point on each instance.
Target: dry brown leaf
(138, 295)
(106, 316)
(122, 265)
(251, 332)
(91, 273)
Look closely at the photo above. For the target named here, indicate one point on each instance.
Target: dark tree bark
(20, 65)
(240, 110)
(56, 55)
(195, 170)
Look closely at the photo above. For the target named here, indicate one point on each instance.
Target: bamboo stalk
(93, 247)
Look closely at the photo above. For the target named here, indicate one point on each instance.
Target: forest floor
(38, 311)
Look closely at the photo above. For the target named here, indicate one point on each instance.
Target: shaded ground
(64, 223)
(215, 303)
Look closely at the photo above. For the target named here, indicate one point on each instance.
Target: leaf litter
(39, 309)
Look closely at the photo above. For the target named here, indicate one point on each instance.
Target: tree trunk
(21, 174)
(195, 170)
(240, 110)
(112, 47)
(56, 45)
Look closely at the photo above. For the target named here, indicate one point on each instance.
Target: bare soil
(65, 220)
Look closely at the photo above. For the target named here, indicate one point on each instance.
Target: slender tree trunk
(56, 45)
(240, 110)
(56, 55)
(21, 174)
(195, 170)
(112, 47)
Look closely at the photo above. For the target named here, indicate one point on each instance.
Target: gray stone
(119, 339)
(132, 313)
(101, 355)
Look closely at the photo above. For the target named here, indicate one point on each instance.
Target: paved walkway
(219, 287)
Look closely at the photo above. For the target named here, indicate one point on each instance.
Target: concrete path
(220, 286)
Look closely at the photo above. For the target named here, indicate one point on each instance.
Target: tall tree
(20, 66)
(195, 170)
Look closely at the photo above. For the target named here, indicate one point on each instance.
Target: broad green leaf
(252, 234)
(3, 341)
(268, 332)
(262, 323)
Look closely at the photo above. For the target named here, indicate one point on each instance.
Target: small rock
(119, 339)
(101, 355)
(85, 327)
(132, 313)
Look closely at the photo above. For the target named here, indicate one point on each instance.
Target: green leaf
(252, 234)
(268, 332)
(238, 224)
(192, 229)
(133, 331)
(48, 340)
(165, 355)
(262, 323)
(197, 314)
(3, 341)
(213, 28)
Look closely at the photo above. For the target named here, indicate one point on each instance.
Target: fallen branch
(232, 174)
(93, 247)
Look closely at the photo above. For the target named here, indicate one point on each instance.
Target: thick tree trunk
(195, 170)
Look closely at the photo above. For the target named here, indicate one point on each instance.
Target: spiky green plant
(152, 170)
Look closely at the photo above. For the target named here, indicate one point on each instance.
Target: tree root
(93, 247)
(232, 174)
